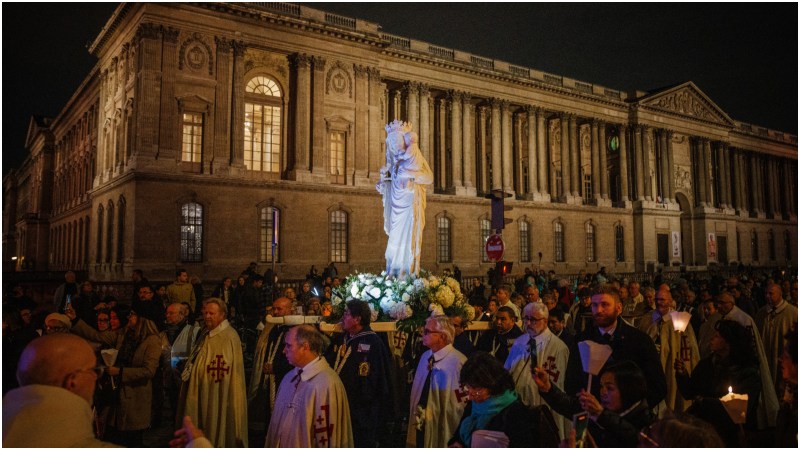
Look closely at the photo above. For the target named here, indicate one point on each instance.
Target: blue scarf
(482, 413)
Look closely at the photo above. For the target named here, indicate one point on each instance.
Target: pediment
(36, 124)
(686, 100)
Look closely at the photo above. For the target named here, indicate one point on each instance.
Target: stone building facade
(205, 130)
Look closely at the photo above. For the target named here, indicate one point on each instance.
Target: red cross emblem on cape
(324, 428)
(400, 340)
(551, 368)
(461, 393)
(217, 369)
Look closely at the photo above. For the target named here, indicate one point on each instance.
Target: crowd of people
(175, 355)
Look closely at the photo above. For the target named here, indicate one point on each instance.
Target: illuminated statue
(403, 183)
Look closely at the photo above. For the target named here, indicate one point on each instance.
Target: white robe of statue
(403, 199)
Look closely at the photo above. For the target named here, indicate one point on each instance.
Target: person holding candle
(732, 364)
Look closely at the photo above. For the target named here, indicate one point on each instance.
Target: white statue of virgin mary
(404, 180)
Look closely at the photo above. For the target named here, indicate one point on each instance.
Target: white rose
(406, 297)
(375, 292)
(354, 289)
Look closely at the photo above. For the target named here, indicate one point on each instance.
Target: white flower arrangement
(408, 301)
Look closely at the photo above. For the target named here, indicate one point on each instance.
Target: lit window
(192, 232)
(443, 239)
(558, 242)
(486, 230)
(262, 125)
(524, 242)
(339, 236)
(337, 153)
(590, 250)
(270, 217)
(192, 137)
(587, 187)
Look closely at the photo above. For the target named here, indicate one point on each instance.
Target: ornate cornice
(319, 63)
(223, 45)
(170, 34)
(148, 31)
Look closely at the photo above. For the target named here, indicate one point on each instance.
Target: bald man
(57, 376)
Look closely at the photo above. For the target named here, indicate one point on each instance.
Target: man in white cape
(551, 354)
(433, 420)
(311, 408)
(774, 320)
(768, 402)
(214, 394)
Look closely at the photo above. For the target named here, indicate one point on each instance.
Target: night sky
(743, 56)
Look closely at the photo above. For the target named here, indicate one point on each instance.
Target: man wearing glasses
(538, 347)
(437, 398)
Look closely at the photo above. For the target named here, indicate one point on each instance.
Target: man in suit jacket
(627, 343)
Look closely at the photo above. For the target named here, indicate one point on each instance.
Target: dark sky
(743, 56)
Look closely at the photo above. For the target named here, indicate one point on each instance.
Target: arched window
(443, 239)
(339, 236)
(121, 230)
(619, 242)
(524, 242)
(591, 255)
(191, 232)
(269, 226)
(109, 231)
(558, 242)
(486, 230)
(262, 125)
(754, 246)
(99, 256)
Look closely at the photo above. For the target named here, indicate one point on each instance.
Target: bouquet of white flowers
(408, 301)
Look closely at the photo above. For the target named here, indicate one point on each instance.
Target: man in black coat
(364, 364)
(627, 343)
(498, 341)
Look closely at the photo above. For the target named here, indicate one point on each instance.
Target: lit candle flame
(730, 389)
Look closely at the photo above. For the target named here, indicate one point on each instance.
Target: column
(623, 163)
(237, 106)
(223, 153)
(596, 195)
(441, 138)
(468, 144)
(541, 143)
(647, 172)
(412, 94)
(664, 162)
(707, 169)
(319, 153)
(638, 154)
(169, 142)
(739, 180)
(603, 149)
(533, 153)
(359, 154)
(574, 156)
(302, 117)
(455, 137)
(565, 157)
(756, 206)
(700, 164)
(508, 172)
(772, 176)
(497, 171)
(377, 132)
(720, 179)
(425, 142)
(670, 167)
(484, 167)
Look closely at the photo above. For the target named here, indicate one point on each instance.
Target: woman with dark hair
(139, 348)
(493, 405)
(118, 317)
(618, 415)
(732, 364)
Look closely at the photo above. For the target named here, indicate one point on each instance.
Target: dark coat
(628, 343)
(516, 422)
(490, 339)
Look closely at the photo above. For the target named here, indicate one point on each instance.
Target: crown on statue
(403, 127)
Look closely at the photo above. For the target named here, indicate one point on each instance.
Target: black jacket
(522, 426)
(628, 343)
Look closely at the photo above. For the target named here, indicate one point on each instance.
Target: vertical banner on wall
(712, 246)
(676, 244)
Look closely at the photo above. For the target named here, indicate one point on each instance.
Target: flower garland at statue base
(408, 301)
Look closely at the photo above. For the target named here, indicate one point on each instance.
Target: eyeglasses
(427, 331)
(531, 319)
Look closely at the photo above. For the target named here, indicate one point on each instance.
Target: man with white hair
(437, 397)
(538, 347)
(774, 321)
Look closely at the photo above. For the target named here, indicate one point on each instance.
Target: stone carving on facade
(223, 44)
(131, 61)
(360, 72)
(686, 102)
(170, 34)
(148, 31)
(338, 80)
(257, 59)
(300, 60)
(683, 178)
(195, 54)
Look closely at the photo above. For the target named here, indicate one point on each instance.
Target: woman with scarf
(494, 406)
(139, 350)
